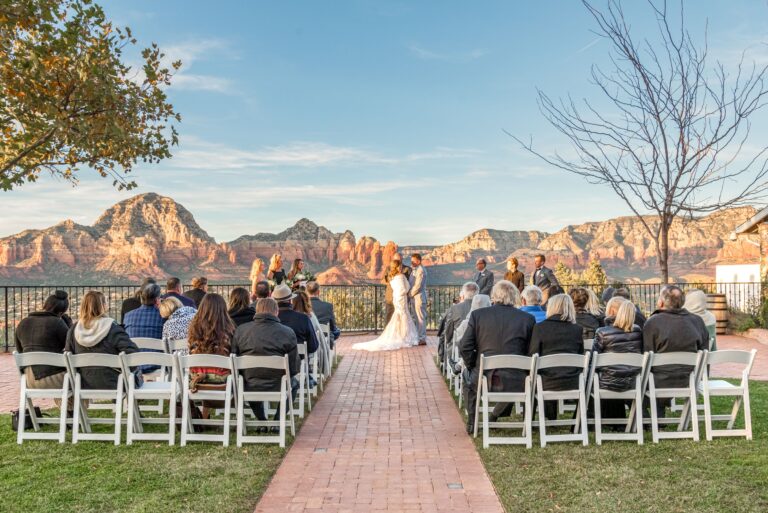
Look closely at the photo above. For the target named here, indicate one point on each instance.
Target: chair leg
(185, 420)
(22, 410)
(638, 411)
(227, 415)
(734, 412)
(747, 413)
(172, 417)
(118, 410)
(282, 420)
(129, 426)
(63, 411)
(707, 415)
(32, 414)
(542, 418)
(240, 427)
(77, 411)
(486, 427)
(694, 413)
(583, 415)
(598, 415)
(528, 418)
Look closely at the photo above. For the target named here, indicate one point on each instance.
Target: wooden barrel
(718, 305)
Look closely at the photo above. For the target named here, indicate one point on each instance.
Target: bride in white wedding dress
(400, 332)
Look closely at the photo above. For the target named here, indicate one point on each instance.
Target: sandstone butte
(151, 234)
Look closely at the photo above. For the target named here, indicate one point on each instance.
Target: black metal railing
(359, 308)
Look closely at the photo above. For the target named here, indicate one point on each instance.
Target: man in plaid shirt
(145, 321)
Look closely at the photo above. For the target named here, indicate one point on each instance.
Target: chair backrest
(205, 360)
(675, 358)
(155, 344)
(260, 362)
(563, 360)
(94, 360)
(588, 343)
(39, 358)
(506, 361)
(302, 349)
(143, 358)
(176, 345)
(730, 356)
(326, 329)
(608, 359)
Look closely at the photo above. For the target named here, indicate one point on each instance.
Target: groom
(418, 295)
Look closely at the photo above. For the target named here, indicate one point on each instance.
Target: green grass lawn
(146, 476)
(725, 475)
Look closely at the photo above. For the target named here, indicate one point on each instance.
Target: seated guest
(239, 306)
(210, 332)
(619, 335)
(531, 301)
(696, 303)
(198, 291)
(133, 302)
(301, 303)
(455, 315)
(639, 317)
(497, 330)
(323, 310)
(299, 322)
(479, 301)
(44, 331)
(594, 307)
(177, 320)
(558, 334)
(145, 321)
(266, 336)
(588, 322)
(513, 275)
(94, 332)
(607, 295)
(173, 289)
(671, 328)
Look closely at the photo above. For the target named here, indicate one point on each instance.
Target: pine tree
(594, 274)
(564, 274)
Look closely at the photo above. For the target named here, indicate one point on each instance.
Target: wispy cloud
(431, 55)
(191, 52)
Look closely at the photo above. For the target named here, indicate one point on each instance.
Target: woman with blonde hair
(94, 332)
(257, 274)
(400, 330)
(276, 272)
(558, 334)
(619, 335)
(177, 320)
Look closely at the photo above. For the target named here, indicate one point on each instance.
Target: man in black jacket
(266, 336)
(456, 313)
(669, 329)
(498, 330)
(323, 310)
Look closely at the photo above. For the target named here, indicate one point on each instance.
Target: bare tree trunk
(663, 251)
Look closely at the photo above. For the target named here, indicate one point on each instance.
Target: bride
(401, 331)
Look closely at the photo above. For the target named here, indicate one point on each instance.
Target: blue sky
(385, 118)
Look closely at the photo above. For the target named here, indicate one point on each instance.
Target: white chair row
(127, 390)
(645, 387)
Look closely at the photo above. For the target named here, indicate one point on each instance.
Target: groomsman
(483, 277)
(543, 277)
(388, 295)
(418, 295)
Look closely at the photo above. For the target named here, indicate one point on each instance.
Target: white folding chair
(26, 395)
(205, 394)
(152, 390)
(687, 393)
(486, 397)
(321, 353)
(81, 417)
(602, 360)
(562, 406)
(588, 343)
(158, 345)
(303, 378)
(715, 387)
(283, 397)
(579, 424)
(178, 346)
(326, 329)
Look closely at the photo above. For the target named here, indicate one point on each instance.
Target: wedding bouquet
(301, 279)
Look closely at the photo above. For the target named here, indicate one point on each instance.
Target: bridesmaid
(276, 272)
(257, 274)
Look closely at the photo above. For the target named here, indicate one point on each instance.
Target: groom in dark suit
(543, 277)
(388, 296)
(483, 277)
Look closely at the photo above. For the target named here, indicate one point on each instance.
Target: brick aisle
(386, 436)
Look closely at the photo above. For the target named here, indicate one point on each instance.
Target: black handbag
(27, 418)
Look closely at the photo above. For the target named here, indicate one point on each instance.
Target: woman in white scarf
(696, 303)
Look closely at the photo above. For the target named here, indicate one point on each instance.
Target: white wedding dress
(400, 332)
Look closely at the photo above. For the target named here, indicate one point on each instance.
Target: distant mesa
(151, 234)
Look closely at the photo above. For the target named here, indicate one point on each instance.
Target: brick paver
(385, 436)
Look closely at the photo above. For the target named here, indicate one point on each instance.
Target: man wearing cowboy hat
(299, 322)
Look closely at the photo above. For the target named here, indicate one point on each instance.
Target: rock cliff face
(153, 235)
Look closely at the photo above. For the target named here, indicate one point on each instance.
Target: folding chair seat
(709, 388)
(303, 378)
(81, 417)
(26, 395)
(283, 397)
(486, 397)
(161, 374)
(225, 394)
(152, 390)
(579, 394)
(635, 395)
(686, 393)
